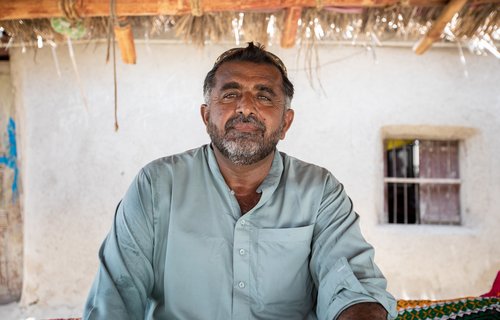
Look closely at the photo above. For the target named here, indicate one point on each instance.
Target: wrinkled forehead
(248, 72)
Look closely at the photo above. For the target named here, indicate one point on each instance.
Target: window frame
(424, 132)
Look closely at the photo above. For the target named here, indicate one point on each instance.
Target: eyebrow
(261, 87)
(231, 85)
(258, 87)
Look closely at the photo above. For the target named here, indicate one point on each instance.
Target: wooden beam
(290, 27)
(33, 9)
(434, 33)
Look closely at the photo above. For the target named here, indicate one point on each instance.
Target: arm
(342, 263)
(125, 278)
(364, 311)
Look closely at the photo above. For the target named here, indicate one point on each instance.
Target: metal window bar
(416, 171)
(405, 185)
(448, 159)
(417, 204)
(394, 189)
(437, 148)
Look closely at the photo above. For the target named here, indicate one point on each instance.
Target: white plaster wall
(75, 168)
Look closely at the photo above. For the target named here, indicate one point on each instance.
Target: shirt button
(241, 284)
(243, 222)
(242, 252)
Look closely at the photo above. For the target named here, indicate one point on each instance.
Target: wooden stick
(289, 33)
(434, 33)
(33, 9)
(125, 38)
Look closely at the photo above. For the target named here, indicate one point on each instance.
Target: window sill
(416, 229)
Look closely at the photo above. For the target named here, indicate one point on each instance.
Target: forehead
(244, 72)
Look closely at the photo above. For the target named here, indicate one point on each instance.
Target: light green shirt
(179, 247)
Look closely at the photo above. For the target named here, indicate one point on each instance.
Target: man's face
(246, 114)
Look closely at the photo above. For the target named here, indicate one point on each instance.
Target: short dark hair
(252, 53)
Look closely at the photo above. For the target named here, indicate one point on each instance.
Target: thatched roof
(287, 22)
(290, 23)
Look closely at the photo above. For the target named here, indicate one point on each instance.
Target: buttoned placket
(244, 231)
(241, 264)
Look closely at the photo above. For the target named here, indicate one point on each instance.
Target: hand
(364, 311)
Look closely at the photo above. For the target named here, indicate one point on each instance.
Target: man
(236, 229)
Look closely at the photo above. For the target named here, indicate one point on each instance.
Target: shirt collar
(267, 187)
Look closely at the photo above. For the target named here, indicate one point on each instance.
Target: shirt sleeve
(342, 263)
(125, 278)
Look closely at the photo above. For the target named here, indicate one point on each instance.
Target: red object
(495, 288)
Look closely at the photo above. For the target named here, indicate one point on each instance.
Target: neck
(243, 179)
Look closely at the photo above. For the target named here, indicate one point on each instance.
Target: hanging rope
(111, 43)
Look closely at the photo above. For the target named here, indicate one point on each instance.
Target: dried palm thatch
(390, 23)
(218, 27)
(28, 31)
(393, 23)
(262, 27)
(198, 29)
(475, 20)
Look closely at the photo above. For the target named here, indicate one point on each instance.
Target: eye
(229, 95)
(264, 99)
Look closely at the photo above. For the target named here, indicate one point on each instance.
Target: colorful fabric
(463, 309)
(495, 288)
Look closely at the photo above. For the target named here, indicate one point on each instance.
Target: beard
(244, 148)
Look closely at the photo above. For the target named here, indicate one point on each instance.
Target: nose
(246, 105)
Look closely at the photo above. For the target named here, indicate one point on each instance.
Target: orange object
(125, 38)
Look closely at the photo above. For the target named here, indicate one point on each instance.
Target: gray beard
(244, 148)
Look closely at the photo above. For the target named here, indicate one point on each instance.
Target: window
(422, 184)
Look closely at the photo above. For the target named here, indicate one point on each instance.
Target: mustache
(242, 119)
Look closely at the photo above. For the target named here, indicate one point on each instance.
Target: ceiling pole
(434, 33)
(291, 26)
(34, 9)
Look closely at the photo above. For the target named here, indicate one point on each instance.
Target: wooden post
(434, 33)
(289, 33)
(125, 38)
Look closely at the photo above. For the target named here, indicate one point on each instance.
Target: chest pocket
(282, 275)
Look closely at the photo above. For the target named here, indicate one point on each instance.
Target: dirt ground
(13, 311)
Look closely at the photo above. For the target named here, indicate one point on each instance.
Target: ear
(288, 119)
(204, 111)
